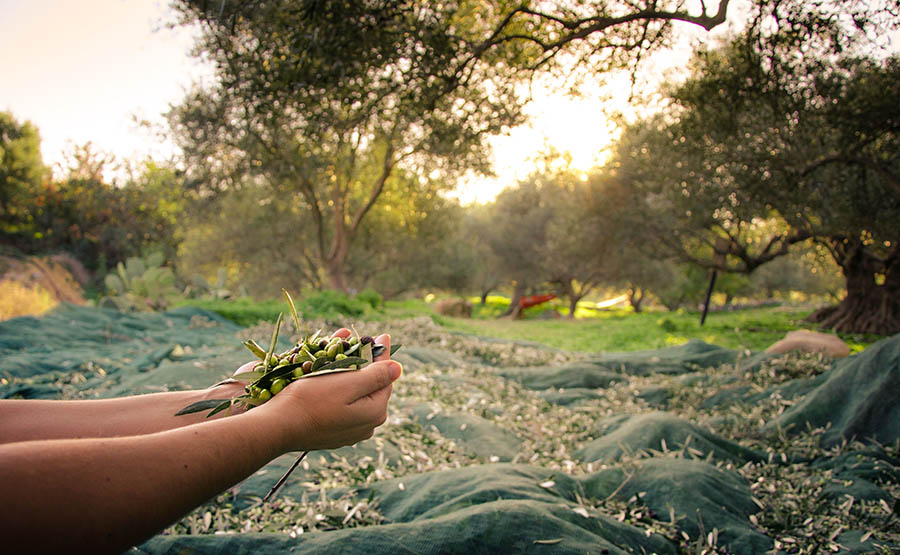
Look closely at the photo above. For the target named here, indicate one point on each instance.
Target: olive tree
(323, 103)
(768, 145)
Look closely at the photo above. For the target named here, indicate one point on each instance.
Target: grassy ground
(609, 330)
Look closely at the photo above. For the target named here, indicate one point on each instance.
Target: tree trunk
(514, 310)
(869, 306)
(568, 290)
(635, 298)
(573, 303)
(336, 278)
(484, 296)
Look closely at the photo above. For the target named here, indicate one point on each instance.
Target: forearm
(25, 419)
(108, 494)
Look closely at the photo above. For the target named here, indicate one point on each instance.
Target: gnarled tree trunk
(872, 305)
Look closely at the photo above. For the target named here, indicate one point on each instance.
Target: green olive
(264, 395)
(334, 350)
(340, 356)
(277, 386)
(320, 354)
(298, 372)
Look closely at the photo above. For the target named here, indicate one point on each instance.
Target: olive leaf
(255, 349)
(294, 314)
(225, 405)
(250, 376)
(366, 352)
(271, 351)
(327, 371)
(319, 362)
(343, 363)
(206, 404)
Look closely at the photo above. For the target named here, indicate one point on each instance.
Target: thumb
(374, 377)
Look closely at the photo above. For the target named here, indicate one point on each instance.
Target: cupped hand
(329, 411)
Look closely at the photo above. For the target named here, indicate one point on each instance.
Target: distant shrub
(329, 304)
(667, 325)
(370, 297)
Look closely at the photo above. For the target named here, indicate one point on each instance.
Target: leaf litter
(786, 487)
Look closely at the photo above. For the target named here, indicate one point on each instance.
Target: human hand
(334, 410)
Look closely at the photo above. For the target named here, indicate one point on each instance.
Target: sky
(88, 70)
(84, 71)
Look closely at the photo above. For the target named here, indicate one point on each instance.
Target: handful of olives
(313, 355)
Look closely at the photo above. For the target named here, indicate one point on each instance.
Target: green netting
(680, 359)
(78, 352)
(858, 398)
(571, 375)
(115, 353)
(499, 508)
(698, 496)
(473, 434)
(658, 431)
(607, 369)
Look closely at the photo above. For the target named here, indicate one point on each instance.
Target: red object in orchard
(529, 301)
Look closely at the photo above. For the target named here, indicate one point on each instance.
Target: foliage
(772, 142)
(99, 222)
(324, 104)
(141, 284)
(22, 175)
(520, 217)
(409, 242)
(332, 304)
(321, 305)
(201, 287)
(259, 243)
(244, 311)
(371, 298)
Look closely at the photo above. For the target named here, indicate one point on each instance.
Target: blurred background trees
(325, 152)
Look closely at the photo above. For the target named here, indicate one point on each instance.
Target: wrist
(270, 432)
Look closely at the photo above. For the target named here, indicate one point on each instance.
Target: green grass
(612, 330)
(623, 330)
(244, 311)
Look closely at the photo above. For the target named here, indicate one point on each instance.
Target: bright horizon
(90, 71)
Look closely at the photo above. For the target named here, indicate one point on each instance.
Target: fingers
(374, 377)
(246, 367)
(343, 333)
(384, 339)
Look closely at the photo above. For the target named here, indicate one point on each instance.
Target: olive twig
(284, 477)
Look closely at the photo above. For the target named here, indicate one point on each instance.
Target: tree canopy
(767, 146)
(22, 172)
(324, 101)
